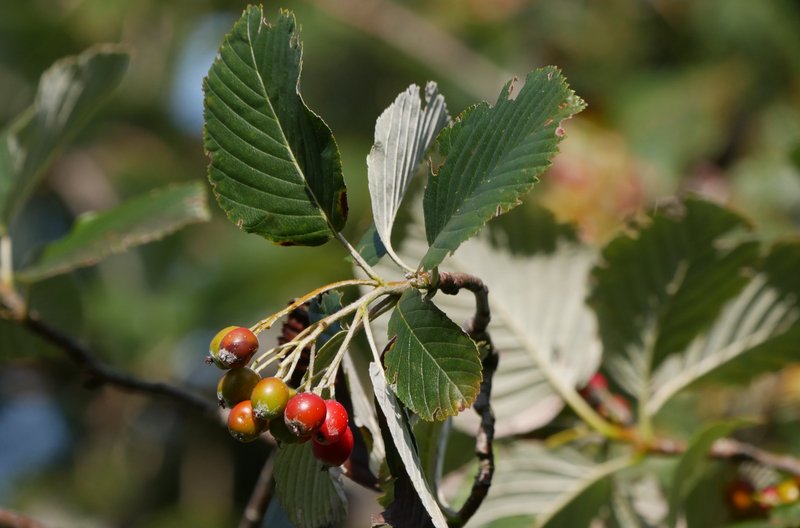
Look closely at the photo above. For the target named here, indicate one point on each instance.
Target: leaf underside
(403, 134)
(310, 493)
(275, 166)
(493, 157)
(135, 222)
(433, 367)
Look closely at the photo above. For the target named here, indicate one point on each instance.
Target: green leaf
(275, 166)
(310, 493)
(561, 489)
(69, 93)
(694, 462)
(137, 221)
(401, 438)
(433, 367)
(403, 134)
(493, 157)
(656, 291)
(541, 325)
(756, 332)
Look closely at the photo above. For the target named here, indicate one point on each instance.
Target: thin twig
(358, 258)
(261, 496)
(422, 40)
(451, 284)
(106, 374)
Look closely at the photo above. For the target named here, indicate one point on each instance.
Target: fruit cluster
(747, 502)
(269, 404)
(611, 406)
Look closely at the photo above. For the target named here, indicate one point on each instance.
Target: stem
(371, 340)
(358, 258)
(267, 323)
(260, 497)
(330, 376)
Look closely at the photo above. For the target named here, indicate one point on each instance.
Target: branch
(451, 284)
(10, 519)
(104, 373)
(260, 497)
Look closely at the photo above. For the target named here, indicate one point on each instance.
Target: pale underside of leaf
(69, 93)
(541, 326)
(756, 315)
(433, 367)
(364, 411)
(311, 494)
(275, 166)
(493, 157)
(532, 480)
(403, 134)
(138, 221)
(401, 436)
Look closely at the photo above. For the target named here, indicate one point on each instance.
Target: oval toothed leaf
(275, 166)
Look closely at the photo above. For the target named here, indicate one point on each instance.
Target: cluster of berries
(611, 406)
(747, 502)
(258, 405)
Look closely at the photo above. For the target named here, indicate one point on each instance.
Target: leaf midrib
(278, 121)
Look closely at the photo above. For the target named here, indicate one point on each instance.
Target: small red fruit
(338, 452)
(768, 498)
(740, 495)
(243, 424)
(236, 385)
(233, 347)
(304, 414)
(334, 425)
(269, 398)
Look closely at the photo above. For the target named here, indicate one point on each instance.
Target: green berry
(236, 385)
(269, 398)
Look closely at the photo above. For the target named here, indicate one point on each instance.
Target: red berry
(269, 398)
(236, 385)
(304, 414)
(768, 498)
(234, 348)
(338, 452)
(243, 424)
(334, 425)
(213, 348)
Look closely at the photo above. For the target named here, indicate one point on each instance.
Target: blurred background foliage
(684, 96)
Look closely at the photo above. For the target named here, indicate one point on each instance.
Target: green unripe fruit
(269, 398)
(233, 347)
(236, 385)
(281, 433)
(243, 424)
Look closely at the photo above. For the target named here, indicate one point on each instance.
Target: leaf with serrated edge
(311, 494)
(545, 333)
(69, 93)
(493, 157)
(548, 485)
(393, 412)
(275, 166)
(757, 332)
(649, 314)
(433, 367)
(138, 221)
(403, 134)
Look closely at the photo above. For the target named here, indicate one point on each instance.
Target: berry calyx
(334, 425)
(336, 453)
(243, 424)
(233, 347)
(304, 414)
(270, 397)
(236, 385)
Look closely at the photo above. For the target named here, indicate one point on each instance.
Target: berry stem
(329, 379)
(358, 258)
(6, 267)
(267, 323)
